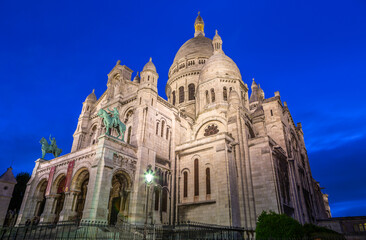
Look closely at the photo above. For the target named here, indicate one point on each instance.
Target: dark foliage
(278, 226)
(313, 231)
(19, 190)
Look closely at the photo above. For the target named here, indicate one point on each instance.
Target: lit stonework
(222, 156)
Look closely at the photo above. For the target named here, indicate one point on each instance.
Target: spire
(137, 78)
(199, 26)
(8, 176)
(254, 95)
(217, 43)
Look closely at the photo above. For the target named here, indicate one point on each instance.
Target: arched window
(207, 98)
(208, 181)
(225, 94)
(162, 128)
(212, 95)
(167, 133)
(173, 96)
(181, 94)
(196, 178)
(185, 184)
(156, 199)
(157, 128)
(191, 91)
(129, 135)
(164, 200)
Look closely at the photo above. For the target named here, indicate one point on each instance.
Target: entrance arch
(80, 186)
(119, 197)
(40, 197)
(59, 190)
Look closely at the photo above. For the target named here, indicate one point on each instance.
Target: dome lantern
(217, 43)
(199, 26)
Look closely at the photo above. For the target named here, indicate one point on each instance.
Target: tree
(19, 190)
(278, 226)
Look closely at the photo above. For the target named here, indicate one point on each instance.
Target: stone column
(48, 214)
(67, 212)
(96, 204)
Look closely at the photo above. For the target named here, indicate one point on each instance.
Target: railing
(95, 230)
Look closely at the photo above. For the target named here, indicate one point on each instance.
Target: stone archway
(40, 197)
(60, 184)
(80, 188)
(119, 198)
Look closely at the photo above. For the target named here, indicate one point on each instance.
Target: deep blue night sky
(53, 53)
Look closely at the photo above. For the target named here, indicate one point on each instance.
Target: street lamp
(149, 177)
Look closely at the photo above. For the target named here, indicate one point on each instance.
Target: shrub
(278, 226)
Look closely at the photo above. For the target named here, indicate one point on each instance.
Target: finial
(199, 12)
(150, 59)
(93, 90)
(253, 79)
(118, 62)
(216, 31)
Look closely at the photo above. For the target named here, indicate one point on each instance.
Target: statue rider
(115, 117)
(53, 143)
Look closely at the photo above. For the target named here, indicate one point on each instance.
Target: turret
(7, 183)
(80, 132)
(149, 76)
(148, 90)
(136, 78)
(254, 96)
(217, 44)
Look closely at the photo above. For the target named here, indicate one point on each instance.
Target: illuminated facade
(219, 156)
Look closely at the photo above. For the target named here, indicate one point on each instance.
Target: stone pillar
(29, 211)
(67, 212)
(48, 214)
(96, 206)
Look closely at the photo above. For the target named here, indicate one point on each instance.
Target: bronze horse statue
(50, 148)
(112, 122)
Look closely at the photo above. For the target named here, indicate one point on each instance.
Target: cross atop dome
(199, 26)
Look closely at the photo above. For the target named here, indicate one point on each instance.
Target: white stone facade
(219, 156)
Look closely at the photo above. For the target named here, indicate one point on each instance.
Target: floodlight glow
(149, 177)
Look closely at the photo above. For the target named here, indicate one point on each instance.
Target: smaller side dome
(91, 97)
(219, 65)
(149, 66)
(137, 78)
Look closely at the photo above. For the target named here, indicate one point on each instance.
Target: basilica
(219, 155)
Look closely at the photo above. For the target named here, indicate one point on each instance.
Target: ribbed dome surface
(199, 46)
(92, 97)
(219, 65)
(149, 66)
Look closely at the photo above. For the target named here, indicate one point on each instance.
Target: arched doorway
(119, 198)
(80, 187)
(60, 196)
(40, 198)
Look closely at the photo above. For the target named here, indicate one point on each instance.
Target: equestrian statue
(50, 148)
(111, 120)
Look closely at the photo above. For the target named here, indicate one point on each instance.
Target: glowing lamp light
(149, 175)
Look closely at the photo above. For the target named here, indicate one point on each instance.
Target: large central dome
(199, 46)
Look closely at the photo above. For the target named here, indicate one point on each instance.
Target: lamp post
(149, 177)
